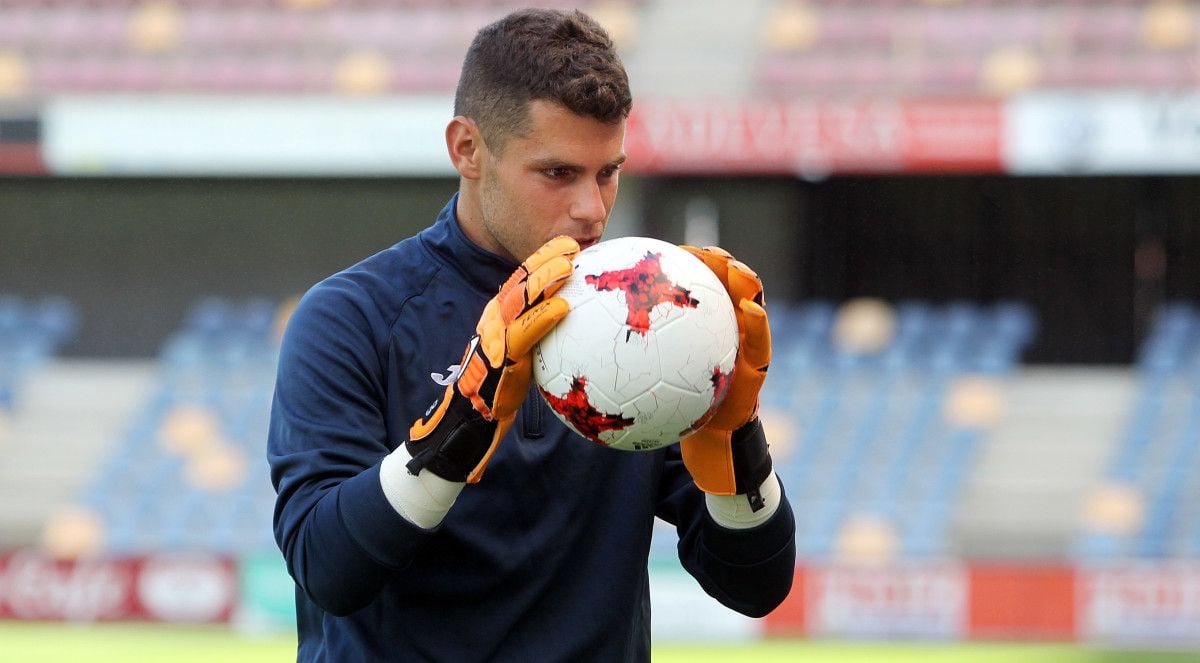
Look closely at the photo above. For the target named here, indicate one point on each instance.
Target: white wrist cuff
(733, 511)
(422, 500)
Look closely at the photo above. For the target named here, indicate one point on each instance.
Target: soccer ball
(647, 351)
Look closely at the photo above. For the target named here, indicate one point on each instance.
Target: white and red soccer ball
(647, 351)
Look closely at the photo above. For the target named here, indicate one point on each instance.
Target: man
(400, 546)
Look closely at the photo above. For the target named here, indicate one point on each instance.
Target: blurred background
(978, 223)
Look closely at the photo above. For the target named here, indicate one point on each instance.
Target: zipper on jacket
(531, 415)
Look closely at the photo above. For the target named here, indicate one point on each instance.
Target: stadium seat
(869, 435)
(209, 405)
(1159, 448)
(240, 46)
(32, 331)
(916, 48)
(867, 432)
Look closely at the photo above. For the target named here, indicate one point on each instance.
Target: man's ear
(466, 147)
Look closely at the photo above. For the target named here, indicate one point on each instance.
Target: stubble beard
(491, 213)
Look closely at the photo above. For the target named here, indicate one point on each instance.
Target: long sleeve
(339, 535)
(747, 570)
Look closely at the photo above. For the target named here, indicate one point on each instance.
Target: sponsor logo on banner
(1141, 602)
(1104, 133)
(36, 587)
(193, 589)
(908, 601)
(815, 138)
(187, 589)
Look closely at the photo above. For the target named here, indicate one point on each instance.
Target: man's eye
(610, 171)
(557, 173)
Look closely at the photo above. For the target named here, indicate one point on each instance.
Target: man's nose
(588, 204)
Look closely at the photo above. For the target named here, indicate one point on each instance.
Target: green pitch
(138, 643)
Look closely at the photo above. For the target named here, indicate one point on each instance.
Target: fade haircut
(559, 56)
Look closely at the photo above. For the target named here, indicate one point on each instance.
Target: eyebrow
(541, 164)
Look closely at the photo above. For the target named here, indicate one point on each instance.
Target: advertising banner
(1037, 133)
(1138, 603)
(814, 138)
(182, 589)
(256, 135)
(912, 601)
(1018, 600)
(229, 135)
(1103, 133)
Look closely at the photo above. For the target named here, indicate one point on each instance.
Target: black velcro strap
(453, 449)
(751, 461)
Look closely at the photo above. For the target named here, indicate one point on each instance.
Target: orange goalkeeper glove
(728, 455)
(458, 435)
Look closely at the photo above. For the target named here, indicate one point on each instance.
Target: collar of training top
(483, 270)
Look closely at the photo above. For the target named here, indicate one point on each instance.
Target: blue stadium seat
(869, 436)
(222, 358)
(1159, 448)
(32, 331)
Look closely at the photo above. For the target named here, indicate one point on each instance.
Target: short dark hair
(559, 56)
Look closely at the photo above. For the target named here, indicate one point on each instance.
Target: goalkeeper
(429, 505)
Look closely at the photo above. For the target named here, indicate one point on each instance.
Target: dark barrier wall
(133, 253)
(759, 221)
(1063, 245)
(1094, 256)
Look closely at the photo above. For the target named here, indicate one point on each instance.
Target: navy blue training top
(544, 560)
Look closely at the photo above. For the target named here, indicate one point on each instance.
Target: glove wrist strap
(456, 445)
(751, 461)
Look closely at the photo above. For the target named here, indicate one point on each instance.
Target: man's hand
(728, 455)
(458, 435)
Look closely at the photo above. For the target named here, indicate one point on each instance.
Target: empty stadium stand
(879, 417)
(887, 437)
(1148, 505)
(876, 417)
(781, 47)
(974, 46)
(31, 332)
(256, 46)
(189, 472)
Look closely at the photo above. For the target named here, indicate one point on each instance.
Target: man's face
(560, 179)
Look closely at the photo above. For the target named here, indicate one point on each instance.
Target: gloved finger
(548, 278)
(716, 250)
(491, 327)
(531, 326)
(756, 341)
(743, 283)
(717, 261)
(512, 389)
(530, 288)
(559, 246)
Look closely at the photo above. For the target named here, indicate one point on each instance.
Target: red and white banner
(815, 137)
(191, 588)
(1148, 602)
(1042, 132)
(923, 601)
